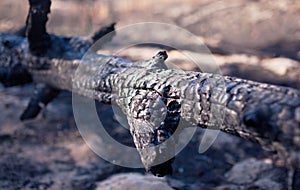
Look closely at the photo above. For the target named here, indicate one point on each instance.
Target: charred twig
(42, 96)
(110, 29)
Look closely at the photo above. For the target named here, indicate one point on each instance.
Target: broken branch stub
(39, 39)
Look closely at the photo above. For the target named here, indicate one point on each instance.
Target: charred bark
(43, 94)
(38, 38)
(266, 114)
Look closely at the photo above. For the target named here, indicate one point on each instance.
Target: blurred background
(232, 25)
(252, 39)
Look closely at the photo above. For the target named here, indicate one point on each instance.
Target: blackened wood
(38, 38)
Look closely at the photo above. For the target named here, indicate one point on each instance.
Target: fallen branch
(266, 114)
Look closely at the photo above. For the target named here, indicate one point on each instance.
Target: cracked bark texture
(42, 45)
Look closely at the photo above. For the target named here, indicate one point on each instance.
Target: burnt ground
(49, 153)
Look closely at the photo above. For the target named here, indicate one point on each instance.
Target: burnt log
(266, 114)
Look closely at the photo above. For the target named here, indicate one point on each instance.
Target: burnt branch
(107, 30)
(153, 98)
(43, 94)
(12, 71)
(39, 39)
(263, 113)
(13, 67)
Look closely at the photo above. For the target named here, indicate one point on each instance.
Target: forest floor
(49, 152)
